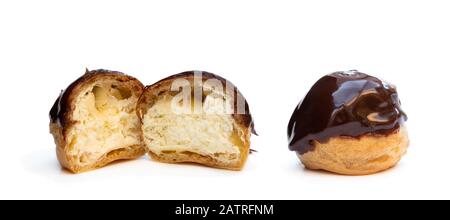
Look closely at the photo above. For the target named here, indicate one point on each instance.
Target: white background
(272, 50)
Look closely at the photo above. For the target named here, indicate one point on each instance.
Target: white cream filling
(205, 134)
(107, 121)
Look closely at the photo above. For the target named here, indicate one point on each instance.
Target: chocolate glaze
(61, 105)
(345, 104)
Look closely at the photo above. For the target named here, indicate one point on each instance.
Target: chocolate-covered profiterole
(94, 121)
(345, 104)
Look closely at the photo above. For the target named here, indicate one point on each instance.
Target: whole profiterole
(349, 123)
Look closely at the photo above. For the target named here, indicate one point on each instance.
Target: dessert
(196, 117)
(349, 123)
(94, 121)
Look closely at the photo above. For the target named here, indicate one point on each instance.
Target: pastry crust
(62, 120)
(191, 157)
(358, 156)
(243, 123)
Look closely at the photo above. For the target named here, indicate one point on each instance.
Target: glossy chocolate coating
(345, 104)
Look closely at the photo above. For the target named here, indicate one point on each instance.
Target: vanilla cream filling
(106, 121)
(168, 131)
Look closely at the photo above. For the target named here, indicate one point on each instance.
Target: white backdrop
(272, 50)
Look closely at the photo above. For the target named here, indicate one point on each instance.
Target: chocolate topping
(344, 104)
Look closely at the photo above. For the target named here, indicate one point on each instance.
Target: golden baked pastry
(196, 117)
(366, 155)
(94, 121)
(349, 123)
